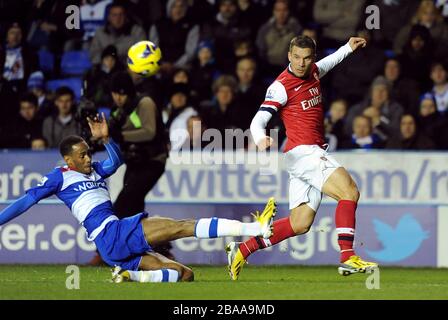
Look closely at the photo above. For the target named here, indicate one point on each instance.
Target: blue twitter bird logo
(398, 243)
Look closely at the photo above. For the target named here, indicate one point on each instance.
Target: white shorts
(309, 166)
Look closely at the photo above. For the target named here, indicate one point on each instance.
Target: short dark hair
(30, 98)
(67, 143)
(438, 63)
(303, 42)
(62, 91)
(118, 3)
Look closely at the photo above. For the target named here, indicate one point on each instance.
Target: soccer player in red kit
(296, 95)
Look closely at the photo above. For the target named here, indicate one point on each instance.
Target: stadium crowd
(219, 56)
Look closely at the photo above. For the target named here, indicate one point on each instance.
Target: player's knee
(305, 229)
(354, 193)
(302, 229)
(351, 192)
(298, 225)
(187, 275)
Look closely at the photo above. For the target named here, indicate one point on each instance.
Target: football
(144, 58)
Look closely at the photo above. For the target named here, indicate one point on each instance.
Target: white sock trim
(345, 230)
(161, 275)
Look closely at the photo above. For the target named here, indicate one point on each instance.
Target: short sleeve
(49, 185)
(275, 98)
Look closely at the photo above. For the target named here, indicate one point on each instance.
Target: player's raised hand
(356, 43)
(98, 127)
(265, 143)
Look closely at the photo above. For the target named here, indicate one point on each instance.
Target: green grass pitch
(212, 282)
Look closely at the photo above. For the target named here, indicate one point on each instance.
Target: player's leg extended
(342, 188)
(299, 222)
(154, 267)
(160, 230)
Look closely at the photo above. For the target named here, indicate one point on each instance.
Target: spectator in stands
(339, 20)
(335, 119)
(250, 93)
(362, 137)
(409, 138)
(431, 122)
(21, 131)
(176, 36)
(196, 128)
(200, 11)
(253, 13)
(176, 114)
(92, 15)
(225, 29)
(303, 10)
(149, 86)
(439, 77)
(274, 36)
(204, 71)
(243, 48)
(378, 127)
(403, 90)
(118, 31)
(394, 15)
(352, 77)
(443, 7)
(38, 143)
(221, 112)
(429, 17)
(97, 80)
(145, 13)
(417, 55)
(47, 28)
(379, 98)
(63, 123)
(181, 75)
(312, 30)
(36, 85)
(17, 60)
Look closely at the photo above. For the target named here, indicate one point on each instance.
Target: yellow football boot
(235, 259)
(266, 218)
(119, 275)
(354, 265)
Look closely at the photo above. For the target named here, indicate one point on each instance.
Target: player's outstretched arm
(100, 130)
(114, 161)
(332, 60)
(17, 208)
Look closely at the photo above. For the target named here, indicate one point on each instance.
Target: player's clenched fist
(356, 43)
(265, 143)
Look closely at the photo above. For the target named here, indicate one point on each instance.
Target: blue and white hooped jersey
(86, 195)
(82, 194)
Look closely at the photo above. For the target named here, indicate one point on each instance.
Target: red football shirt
(299, 102)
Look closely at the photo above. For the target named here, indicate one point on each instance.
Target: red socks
(345, 226)
(282, 231)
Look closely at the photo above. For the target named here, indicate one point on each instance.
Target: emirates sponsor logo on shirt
(314, 101)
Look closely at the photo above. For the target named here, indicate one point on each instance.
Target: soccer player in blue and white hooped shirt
(124, 244)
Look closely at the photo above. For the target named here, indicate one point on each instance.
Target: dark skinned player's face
(80, 159)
